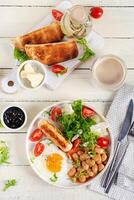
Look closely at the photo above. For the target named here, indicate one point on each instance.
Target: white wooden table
(19, 16)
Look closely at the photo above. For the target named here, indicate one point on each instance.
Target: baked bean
(85, 165)
(75, 156)
(104, 157)
(82, 179)
(97, 159)
(80, 152)
(90, 162)
(101, 167)
(84, 156)
(71, 172)
(95, 169)
(89, 173)
(99, 150)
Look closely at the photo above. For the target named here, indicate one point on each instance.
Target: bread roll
(47, 34)
(52, 53)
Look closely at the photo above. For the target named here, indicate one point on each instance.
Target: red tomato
(103, 142)
(55, 113)
(38, 149)
(96, 12)
(57, 14)
(87, 112)
(36, 135)
(76, 144)
(58, 69)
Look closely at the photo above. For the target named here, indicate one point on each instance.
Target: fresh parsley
(92, 154)
(20, 56)
(9, 183)
(54, 178)
(77, 164)
(1, 125)
(4, 152)
(74, 124)
(87, 51)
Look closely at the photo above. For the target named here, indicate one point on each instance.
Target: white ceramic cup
(41, 68)
(15, 129)
(98, 83)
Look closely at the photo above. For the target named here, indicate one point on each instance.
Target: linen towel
(115, 117)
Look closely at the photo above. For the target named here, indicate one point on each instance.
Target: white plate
(96, 42)
(64, 182)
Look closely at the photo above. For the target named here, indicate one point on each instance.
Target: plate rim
(79, 185)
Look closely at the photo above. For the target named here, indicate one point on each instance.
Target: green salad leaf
(74, 124)
(87, 51)
(9, 183)
(20, 56)
(4, 152)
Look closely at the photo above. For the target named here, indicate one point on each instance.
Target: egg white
(40, 162)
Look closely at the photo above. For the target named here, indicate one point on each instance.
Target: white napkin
(115, 116)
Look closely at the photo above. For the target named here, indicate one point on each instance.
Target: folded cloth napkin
(115, 117)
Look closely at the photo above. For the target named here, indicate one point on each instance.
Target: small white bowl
(41, 69)
(13, 129)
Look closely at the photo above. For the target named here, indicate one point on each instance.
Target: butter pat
(35, 79)
(33, 76)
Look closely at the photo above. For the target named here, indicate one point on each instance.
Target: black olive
(14, 117)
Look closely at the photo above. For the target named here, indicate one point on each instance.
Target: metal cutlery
(115, 172)
(124, 130)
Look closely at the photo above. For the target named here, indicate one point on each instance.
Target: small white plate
(65, 182)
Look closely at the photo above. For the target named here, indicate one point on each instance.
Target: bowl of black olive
(14, 118)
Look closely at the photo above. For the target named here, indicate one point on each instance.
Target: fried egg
(52, 164)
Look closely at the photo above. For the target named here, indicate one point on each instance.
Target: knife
(115, 171)
(124, 131)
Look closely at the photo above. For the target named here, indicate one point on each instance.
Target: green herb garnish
(74, 124)
(4, 153)
(10, 183)
(1, 125)
(32, 159)
(92, 154)
(20, 56)
(77, 163)
(87, 51)
(54, 178)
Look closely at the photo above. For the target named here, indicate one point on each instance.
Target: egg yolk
(54, 162)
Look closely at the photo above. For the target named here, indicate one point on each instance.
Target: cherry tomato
(57, 14)
(58, 69)
(55, 113)
(38, 149)
(36, 135)
(96, 12)
(75, 148)
(87, 112)
(103, 142)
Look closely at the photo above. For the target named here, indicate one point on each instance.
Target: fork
(130, 137)
(114, 175)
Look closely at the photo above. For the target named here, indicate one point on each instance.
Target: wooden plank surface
(79, 84)
(18, 17)
(34, 107)
(31, 187)
(54, 2)
(22, 19)
(121, 47)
